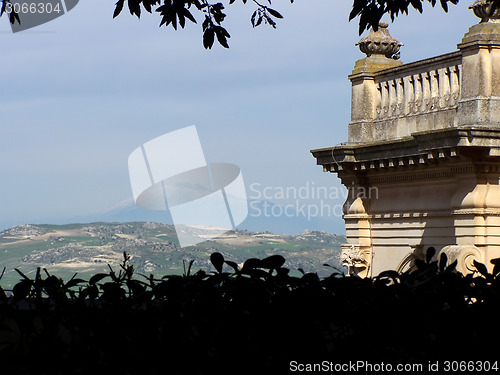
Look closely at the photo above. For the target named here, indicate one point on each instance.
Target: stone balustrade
(419, 88)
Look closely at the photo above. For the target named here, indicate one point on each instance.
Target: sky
(81, 92)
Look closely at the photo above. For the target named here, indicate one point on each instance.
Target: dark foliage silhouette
(245, 319)
(175, 13)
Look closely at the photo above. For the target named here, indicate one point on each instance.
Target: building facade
(422, 161)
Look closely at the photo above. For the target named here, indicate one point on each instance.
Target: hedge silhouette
(257, 318)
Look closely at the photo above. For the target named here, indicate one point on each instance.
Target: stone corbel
(357, 259)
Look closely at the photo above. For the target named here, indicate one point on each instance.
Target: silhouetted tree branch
(174, 13)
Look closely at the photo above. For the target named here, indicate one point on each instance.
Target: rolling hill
(88, 248)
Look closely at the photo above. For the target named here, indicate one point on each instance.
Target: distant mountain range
(89, 248)
(262, 216)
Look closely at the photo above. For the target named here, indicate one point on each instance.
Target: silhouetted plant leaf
(136, 287)
(388, 276)
(310, 277)
(222, 36)
(233, 265)
(3, 296)
(134, 7)
(217, 260)
(97, 277)
(188, 15)
(443, 259)
(282, 271)
(22, 289)
(187, 272)
(208, 38)
(431, 251)
(22, 274)
(252, 19)
(13, 17)
(74, 282)
(251, 264)
(93, 291)
(118, 8)
(496, 266)
(272, 262)
(420, 264)
(451, 267)
(481, 268)
(274, 13)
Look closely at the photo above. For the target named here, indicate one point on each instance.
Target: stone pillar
(479, 104)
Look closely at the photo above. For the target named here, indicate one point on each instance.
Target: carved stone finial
(380, 42)
(486, 10)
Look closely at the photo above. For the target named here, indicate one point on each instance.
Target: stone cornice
(419, 149)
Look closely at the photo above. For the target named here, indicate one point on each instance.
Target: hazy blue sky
(80, 93)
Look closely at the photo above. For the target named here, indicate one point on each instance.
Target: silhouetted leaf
(22, 274)
(118, 8)
(252, 19)
(431, 251)
(22, 288)
(217, 260)
(451, 267)
(272, 262)
(270, 21)
(188, 15)
(222, 34)
(13, 17)
(417, 4)
(187, 272)
(481, 268)
(443, 259)
(208, 38)
(233, 265)
(389, 274)
(250, 264)
(274, 13)
(3, 296)
(420, 264)
(496, 266)
(134, 7)
(282, 271)
(310, 277)
(136, 287)
(74, 282)
(97, 277)
(149, 3)
(259, 21)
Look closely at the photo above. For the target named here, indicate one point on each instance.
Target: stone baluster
(409, 94)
